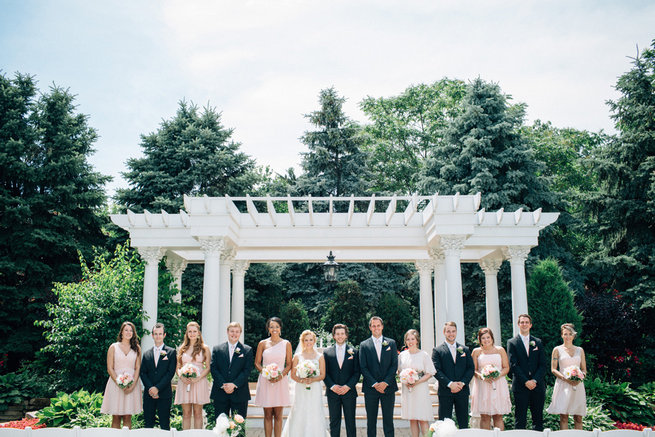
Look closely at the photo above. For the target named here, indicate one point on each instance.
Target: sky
(263, 63)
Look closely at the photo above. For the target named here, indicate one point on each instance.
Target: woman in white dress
(568, 396)
(416, 405)
(307, 417)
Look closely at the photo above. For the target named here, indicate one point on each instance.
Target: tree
(405, 129)
(397, 316)
(336, 162)
(85, 318)
(190, 154)
(49, 205)
(264, 291)
(295, 321)
(349, 307)
(551, 303)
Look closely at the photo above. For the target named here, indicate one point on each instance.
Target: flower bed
(23, 423)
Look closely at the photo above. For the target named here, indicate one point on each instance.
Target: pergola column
(176, 266)
(225, 292)
(517, 256)
(490, 266)
(424, 268)
(452, 246)
(152, 256)
(239, 269)
(440, 295)
(212, 248)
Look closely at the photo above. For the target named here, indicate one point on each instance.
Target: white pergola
(436, 233)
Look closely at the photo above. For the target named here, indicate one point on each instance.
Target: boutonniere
(351, 352)
(162, 353)
(532, 343)
(460, 350)
(385, 343)
(237, 350)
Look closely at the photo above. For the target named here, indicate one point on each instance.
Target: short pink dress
(486, 398)
(568, 399)
(115, 401)
(273, 394)
(198, 392)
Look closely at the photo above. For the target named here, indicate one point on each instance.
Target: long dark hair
(134, 341)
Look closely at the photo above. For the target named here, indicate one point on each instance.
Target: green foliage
(623, 403)
(10, 391)
(551, 303)
(263, 295)
(294, 320)
(69, 410)
(349, 307)
(405, 129)
(49, 199)
(336, 161)
(85, 319)
(397, 316)
(192, 154)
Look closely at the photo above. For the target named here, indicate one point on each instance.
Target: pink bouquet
(271, 371)
(573, 373)
(189, 371)
(409, 376)
(490, 371)
(124, 380)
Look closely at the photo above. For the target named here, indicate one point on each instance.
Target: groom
(527, 362)
(454, 372)
(378, 362)
(341, 376)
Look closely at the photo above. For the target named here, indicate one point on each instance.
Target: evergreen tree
(49, 205)
(551, 303)
(294, 321)
(190, 154)
(349, 307)
(397, 316)
(336, 161)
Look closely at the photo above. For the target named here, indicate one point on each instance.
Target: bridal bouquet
(490, 371)
(232, 426)
(573, 373)
(124, 380)
(271, 371)
(189, 371)
(306, 369)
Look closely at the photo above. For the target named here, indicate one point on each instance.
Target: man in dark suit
(527, 362)
(157, 370)
(341, 376)
(454, 372)
(378, 362)
(230, 368)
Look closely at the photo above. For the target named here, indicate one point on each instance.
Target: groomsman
(454, 372)
(378, 362)
(157, 370)
(527, 362)
(230, 368)
(341, 376)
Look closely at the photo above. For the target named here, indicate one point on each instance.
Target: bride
(307, 416)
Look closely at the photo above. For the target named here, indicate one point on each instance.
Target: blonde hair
(198, 347)
(304, 334)
(569, 327)
(416, 335)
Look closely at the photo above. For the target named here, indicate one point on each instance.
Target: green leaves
(69, 410)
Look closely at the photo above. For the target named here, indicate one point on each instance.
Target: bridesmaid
(273, 394)
(193, 393)
(123, 357)
(568, 396)
(415, 398)
(490, 397)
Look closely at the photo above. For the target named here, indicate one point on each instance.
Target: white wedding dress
(307, 415)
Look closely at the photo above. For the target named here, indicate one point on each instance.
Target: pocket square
(535, 349)
(164, 359)
(350, 357)
(388, 349)
(240, 356)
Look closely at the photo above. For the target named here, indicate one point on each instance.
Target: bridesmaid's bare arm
(110, 364)
(258, 356)
(206, 363)
(554, 364)
(288, 361)
(504, 362)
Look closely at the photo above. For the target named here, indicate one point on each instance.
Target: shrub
(397, 316)
(348, 307)
(80, 408)
(295, 320)
(623, 403)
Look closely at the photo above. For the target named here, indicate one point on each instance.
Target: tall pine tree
(50, 200)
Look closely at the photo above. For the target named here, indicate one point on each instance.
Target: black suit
(526, 367)
(448, 371)
(347, 374)
(158, 376)
(374, 371)
(236, 372)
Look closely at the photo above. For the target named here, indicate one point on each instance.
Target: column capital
(424, 266)
(490, 266)
(240, 267)
(437, 254)
(517, 253)
(176, 265)
(228, 254)
(151, 255)
(212, 246)
(452, 244)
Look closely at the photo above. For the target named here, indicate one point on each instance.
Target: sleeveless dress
(199, 391)
(486, 400)
(271, 394)
(566, 399)
(115, 401)
(416, 405)
(307, 417)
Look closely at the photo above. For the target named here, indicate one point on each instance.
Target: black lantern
(330, 269)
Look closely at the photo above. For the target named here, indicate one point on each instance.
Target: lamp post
(330, 270)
